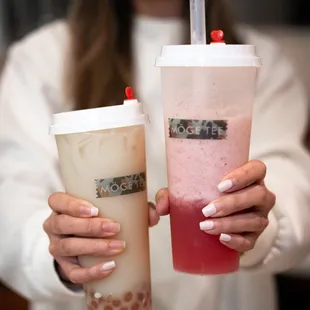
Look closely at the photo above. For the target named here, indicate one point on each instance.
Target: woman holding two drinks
(86, 63)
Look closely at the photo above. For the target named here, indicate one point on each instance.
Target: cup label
(197, 129)
(120, 186)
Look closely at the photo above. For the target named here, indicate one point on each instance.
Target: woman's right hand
(74, 229)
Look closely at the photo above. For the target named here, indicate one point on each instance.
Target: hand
(75, 229)
(240, 216)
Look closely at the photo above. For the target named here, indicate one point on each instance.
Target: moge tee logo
(197, 129)
(119, 186)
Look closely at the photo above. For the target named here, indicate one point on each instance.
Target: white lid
(128, 114)
(211, 55)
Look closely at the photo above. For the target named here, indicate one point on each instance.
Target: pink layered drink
(208, 95)
(205, 163)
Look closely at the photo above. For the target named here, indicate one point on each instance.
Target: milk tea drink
(102, 159)
(208, 94)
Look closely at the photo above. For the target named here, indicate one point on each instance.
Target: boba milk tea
(208, 95)
(102, 159)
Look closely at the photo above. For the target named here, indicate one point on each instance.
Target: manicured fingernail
(225, 238)
(92, 211)
(209, 210)
(111, 227)
(108, 266)
(225, 186)
(206, 225)
(117, 245)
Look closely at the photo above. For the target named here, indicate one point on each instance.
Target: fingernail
(225, 238)
(225, 186)
(108, 266)
(158, 199)
(111, 227)
(117, 245)
(206, 225)
(209, 210)
(92, 211)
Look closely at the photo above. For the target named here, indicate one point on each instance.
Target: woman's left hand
(241, 216)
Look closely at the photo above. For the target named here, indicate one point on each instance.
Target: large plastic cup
(208, 95)
(102, 160)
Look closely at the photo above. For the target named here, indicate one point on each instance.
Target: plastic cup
(102, 160)
(208, 94)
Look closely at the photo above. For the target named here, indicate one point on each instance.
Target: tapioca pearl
(108, 308)
(97, 295)
(101, 300)
(116, 302)
(135, 306)
(128, 296)
(140, 296)
(124, 308)
(145, 302)
(110, 298)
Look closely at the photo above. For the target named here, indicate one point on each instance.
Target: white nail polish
(94, 211)
(225, 237)
(225, 186)
(108, 266)
(206, 225)
(209, 210)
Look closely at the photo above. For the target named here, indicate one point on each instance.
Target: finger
(252, 172)
(240, 223)
(255, 195)
(153, 215)
(77, 274)
(240, 243)
(162, 202)
(69, 247)
(66, 204)
(84, 227)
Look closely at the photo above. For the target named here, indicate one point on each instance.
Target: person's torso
(171, 290)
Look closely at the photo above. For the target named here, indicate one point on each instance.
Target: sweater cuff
(263, 245)
(45, 273)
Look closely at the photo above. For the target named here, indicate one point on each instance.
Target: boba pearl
(116, 303)
(135, 306)
(128, 297)
(97, 295)
(141, 296)
(110, 298)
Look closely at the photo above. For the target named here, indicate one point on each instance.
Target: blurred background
(286, 21)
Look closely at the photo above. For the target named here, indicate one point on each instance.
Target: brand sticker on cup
(197, 129)
(120, 186)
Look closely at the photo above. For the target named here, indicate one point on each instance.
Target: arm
(280, 120)
(28, 174)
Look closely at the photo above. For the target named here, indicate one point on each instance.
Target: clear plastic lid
(128, 114)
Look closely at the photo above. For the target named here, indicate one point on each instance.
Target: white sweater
(31, 91)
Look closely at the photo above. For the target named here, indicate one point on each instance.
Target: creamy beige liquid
(101, 155)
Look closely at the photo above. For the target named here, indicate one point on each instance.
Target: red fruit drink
(208, 95)
(194, 174)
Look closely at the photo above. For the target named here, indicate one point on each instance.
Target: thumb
(162, 202)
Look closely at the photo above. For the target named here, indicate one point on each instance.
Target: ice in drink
(208, 95)
(102, 160)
